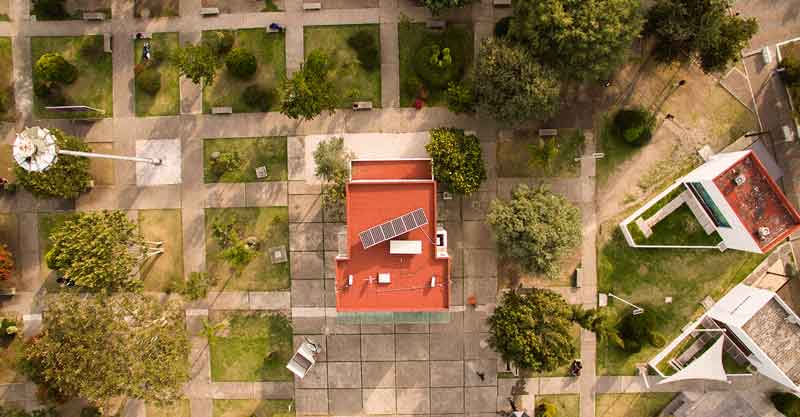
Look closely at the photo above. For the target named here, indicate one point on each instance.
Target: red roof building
(393, 257)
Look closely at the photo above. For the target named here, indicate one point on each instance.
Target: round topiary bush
(52, 67)
(366, 48)
(149, 81)
(241, 63)
(224, 163)
(220, 41)
(501, 27)
(634, 126)
(258, 97)
(437, 65)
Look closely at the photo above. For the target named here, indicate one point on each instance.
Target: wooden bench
(221, 110)
(143, 35)
(94, 16)
(209, 11)
(436, 24)
(312, 5)
(548, 132)
(107, 42)
(362, 105)
(501, 3)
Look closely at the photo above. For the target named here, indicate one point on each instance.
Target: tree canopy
(97, 250)
(199, 63)
(704, 29)
(582, 39)
(66, 178)
(98, 348)
(437, 6)
(457, 160)
(535, 228)
(310, 91)
(510, 86)
(332, 164)
(52, 67)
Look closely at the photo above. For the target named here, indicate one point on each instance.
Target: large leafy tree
(510, 86)
(535, 228)
(332, 164)
(66, 178)
(582, 39)
(457, 160)
(684, 29)
(533, 330)
(98, 348)
(53, 68)
(97, 251)
(310, 91)
(199, 63)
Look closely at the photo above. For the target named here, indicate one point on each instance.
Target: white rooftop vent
(788, 135)
(740, 179)
(384, 278)
(349, 280)
(763, 232)
(433, 281)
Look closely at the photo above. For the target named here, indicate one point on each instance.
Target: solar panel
(393, 228)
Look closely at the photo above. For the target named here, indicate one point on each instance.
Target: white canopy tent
(708, 366)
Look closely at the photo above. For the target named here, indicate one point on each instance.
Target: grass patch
(679, 228)
(180, 408)
(269, 50)
(352, 81)
(167, 100)
(255, 152)
(161, 273)
(10, 353)
(632, 405)
(253, 408)
(567, 405)
(731, 366)
(411, 38)
(157, 8)
(94, 84)
(102, 170)
(7, 109)
(254, 347)
(521, 156)
(270, 225)
(646, 276)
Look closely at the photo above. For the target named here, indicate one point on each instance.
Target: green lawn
(270, 225)
(102, 170)
(679, 228)
(632, 405)
(168, 99)
(253, 347)
(646, 276)
(163, 271)
(180, 408)
(615, 149)
(568, 405)
(412, 37)
(253, 408)
(7, 112)
(269, 152)
(269, 50)
(521, 155)
(94, 84)
(157, 8)
(352, 81)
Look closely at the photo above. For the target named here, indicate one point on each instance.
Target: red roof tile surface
(371, 203)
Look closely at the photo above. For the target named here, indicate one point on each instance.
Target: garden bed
(227, 90)
(92, 88)
(352, 81)
(252, 347)
(567, 405)
(270, 226)
(412, 38)
(7, 109)
(269, 152)
(156, 8)
(524, 154)
(167, 100)
(632, 405)
(165, 271)
(253, 408)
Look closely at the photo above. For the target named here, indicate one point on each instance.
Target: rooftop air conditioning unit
(763, 232)
(740, 179)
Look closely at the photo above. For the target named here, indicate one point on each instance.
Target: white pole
(154, 161)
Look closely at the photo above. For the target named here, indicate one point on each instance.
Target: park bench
(94, 16)
(501, 3)
(221, 110)
(578, 277)
(142, 35)
(548, 132)
(209, 11)
(313, 5)
(436, 24)
(362, 105)
(107, 42)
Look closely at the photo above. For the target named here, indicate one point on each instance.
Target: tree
(310, 91)
(100, 347)
(581, 39)
(197, 62)
(53, 68)
(600, 321)
(332, 164)
(535, 228)
(684, 29)
(788, 404)
(460, 97)
(66, 178)
(510, 86)
(437, 6)
(633, 126)
(457, 160)
(49, 9)
(637, 330)
(241, 63)
(533, 331)
(97, 250)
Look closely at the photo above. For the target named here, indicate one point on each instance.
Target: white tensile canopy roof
(708, 366)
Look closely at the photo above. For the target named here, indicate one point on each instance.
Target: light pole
(35, 149)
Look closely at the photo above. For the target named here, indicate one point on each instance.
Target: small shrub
(437, 65)
(53, 68)
(238, 254)
(226, 162)
(460, 97)
(197, 286)
(241, 63)
(363, 43)
(149, 81)
(787, 404)
(546, 409)
(6, 263)
(220, 42)
(50, 93)
(223, 232)
(634, 126)
(258, 97)
(49, 9)
(501, 27)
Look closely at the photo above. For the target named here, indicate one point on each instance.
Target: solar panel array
(393, 228)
